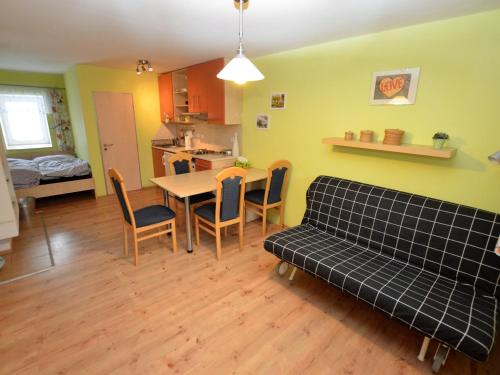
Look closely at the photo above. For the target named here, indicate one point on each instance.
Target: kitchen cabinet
(202, 165)
(158, 167)
(221, 100)
(196, 89)
(166, 95)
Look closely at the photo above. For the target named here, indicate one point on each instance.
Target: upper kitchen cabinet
(207, 94)
(166, 95)
(197, 89)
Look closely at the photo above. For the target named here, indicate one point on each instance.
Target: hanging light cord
(240, 48)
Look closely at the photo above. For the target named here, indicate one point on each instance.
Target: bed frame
(56, 188)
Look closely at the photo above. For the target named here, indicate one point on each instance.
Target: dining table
(189, 184)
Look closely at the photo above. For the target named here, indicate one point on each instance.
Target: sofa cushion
(444, 309)
(452, 240)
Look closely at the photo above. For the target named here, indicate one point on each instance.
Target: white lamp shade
(240, 70)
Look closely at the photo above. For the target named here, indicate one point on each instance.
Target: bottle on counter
(236, 147)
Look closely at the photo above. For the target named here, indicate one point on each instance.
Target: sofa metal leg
(423, 349)
(281, 268)
(440, 357)
(294, 269)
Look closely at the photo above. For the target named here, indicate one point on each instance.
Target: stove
(204, 151)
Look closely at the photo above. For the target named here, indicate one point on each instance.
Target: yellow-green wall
(328, 87)
(32, 79)
(82, 81)
(13, 77)
(76, 113)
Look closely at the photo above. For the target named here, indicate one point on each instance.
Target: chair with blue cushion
(183, 163)
(228, 208)
(273, 196)
(156, 217)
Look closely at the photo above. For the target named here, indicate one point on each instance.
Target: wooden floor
(96, 313)
(30, 252)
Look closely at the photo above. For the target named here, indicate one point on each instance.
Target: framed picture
(394, 87)
(278, 101)
(262, 121)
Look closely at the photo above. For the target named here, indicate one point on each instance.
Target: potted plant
(439, 139)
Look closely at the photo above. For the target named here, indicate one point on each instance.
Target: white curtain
(26, 90)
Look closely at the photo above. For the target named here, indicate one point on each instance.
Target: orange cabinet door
(206, 91)
(158, 167)
(166, 95)
(213, 91)
(202, 165)
(194, 88)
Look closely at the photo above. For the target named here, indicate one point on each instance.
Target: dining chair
(273, 196)
(226, 210)
(181, 163)
(146, 219)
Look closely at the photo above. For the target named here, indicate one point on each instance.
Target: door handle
(108, 144)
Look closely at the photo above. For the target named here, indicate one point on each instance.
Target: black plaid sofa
(428, 263)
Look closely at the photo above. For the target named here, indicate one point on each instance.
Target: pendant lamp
(240, 69)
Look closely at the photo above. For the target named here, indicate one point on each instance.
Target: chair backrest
(121, 194)
(180, 163)
(230, 193)
(452, 240)
(277, 181)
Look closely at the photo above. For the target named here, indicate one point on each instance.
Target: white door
(116, 124)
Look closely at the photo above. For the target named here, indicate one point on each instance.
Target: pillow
(60, 157)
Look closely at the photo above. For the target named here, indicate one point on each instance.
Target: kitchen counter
(214, 157)
(208, 157)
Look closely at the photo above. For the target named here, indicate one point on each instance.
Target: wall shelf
(445, 153)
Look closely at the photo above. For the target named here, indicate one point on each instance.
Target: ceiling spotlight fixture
(240, 69)
(143, 66)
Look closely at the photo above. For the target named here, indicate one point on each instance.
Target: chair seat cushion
(198, 198)
(255, 196)
(152, 215)
(443, 309)
(207, 212)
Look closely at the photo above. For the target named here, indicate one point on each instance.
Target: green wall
(328, 87)
(18, 78)
(13, 77)
(76, 113)
(82, 81)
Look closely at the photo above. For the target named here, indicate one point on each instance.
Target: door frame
(101, 154)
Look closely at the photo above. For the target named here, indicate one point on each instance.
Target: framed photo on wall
(396, 87)
(262, 121)
(278, 101)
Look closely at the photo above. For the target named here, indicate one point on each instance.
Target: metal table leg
(188, 225)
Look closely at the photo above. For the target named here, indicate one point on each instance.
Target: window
(24, 121)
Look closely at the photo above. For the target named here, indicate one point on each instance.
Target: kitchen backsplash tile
(214, 137)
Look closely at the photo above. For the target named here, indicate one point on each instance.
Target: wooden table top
(188, 184)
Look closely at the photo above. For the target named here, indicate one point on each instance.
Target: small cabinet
(158, 167)
(202, 165)
(221, 100)
(196, 89)
(166, 95)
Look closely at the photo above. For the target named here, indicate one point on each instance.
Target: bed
(49, 175)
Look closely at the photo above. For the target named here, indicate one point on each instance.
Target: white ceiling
(51, 35)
